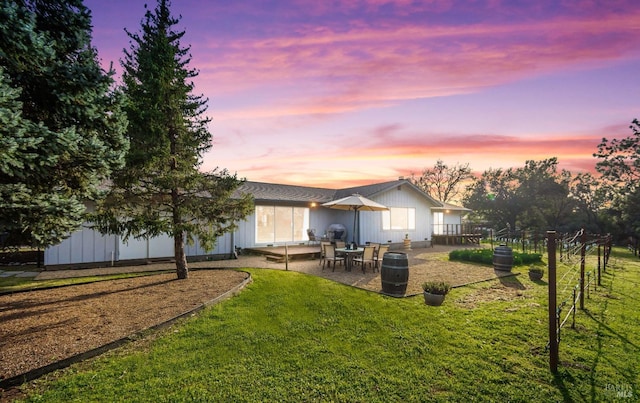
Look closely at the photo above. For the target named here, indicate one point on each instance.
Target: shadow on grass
(511, 282)
(558, 380)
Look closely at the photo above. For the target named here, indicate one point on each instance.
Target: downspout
(234, 254)
(116, 250)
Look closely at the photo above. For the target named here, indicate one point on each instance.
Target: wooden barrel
(394, 273)
(503, 258)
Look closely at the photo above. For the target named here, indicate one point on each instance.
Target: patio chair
(367, 257)
(311, 233)
(322, 245)
(382, 249)
(330, 256)
(340, 244)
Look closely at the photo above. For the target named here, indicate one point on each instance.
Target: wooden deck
(277, 253)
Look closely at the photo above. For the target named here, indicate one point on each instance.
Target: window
(399, 218)
(279, 224)
(438, 223)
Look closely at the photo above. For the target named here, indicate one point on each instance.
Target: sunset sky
(344, 93)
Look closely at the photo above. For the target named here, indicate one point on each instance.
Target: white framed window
(279, 224)
(438, 223)
(399, 219)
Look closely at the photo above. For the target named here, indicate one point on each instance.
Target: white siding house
(282, 214)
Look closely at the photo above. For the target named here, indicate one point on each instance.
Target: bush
(436, 287)
(485, 256)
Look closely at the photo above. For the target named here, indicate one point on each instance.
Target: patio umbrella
(356, 203)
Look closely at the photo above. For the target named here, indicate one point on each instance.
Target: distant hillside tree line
(539, 196)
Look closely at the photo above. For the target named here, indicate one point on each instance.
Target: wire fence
(575, 283)
(527, 240)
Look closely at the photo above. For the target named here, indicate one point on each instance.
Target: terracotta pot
(433, 299)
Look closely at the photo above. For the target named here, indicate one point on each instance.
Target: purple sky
(340, 93)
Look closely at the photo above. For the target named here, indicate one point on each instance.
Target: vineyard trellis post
(599, 273)
(583, 254)
(556, 322)
(553, 324)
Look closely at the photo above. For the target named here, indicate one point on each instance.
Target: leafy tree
(493, 198)
(631, 211)
(620, 160)
(620, 168)
(544, 193)
(590, 200)
(533, 196)
(160, 190)
(442, 182)
(62, 130)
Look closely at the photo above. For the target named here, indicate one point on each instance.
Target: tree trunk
(181, 258)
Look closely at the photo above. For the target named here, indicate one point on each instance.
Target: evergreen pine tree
(161, 190)
(62, 130)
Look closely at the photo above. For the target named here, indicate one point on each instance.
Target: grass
(292, 337)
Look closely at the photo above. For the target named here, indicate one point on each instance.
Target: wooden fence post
(553, 324)
(491, 237)
(286, 257)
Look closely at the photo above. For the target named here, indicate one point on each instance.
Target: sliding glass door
(280, 224)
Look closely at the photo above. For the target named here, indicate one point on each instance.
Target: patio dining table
(350, 254)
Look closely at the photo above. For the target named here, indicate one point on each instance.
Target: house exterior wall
(322, 217)
(223, 246)
(245, 234)
(83, 246)
(452, 218)
(370, 222)
(87, 246)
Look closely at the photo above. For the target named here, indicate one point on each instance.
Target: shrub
(485, 256)
(436, 287)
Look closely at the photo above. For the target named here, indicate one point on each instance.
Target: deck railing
(452, 234)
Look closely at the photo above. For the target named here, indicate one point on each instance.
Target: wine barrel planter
(394, 273)
(503, 258)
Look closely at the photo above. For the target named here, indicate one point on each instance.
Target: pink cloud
(323, 71)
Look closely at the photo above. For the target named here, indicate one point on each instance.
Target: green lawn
(292, 337)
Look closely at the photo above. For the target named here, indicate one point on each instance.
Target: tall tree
(160, 190)
(590, 201)
(620, 160)
(442, 182)
(62, 129)
(493, 198)
(543, 192)
(620, 168)
(533, 196)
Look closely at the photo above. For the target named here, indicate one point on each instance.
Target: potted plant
(407, 242)
(434, 292)
(536, 273)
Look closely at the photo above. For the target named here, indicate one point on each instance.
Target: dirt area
(42, 327)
